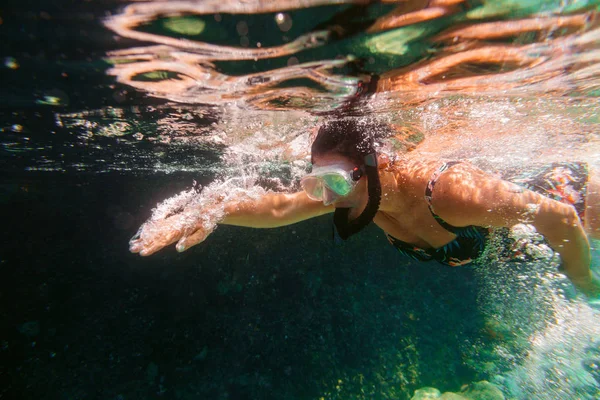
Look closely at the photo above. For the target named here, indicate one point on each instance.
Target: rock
(152, 372)
(482, 391)
(202, 355)
(426, 393)
(452, 396)
(476, 391)
(30, 329)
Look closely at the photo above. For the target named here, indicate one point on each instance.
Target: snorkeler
(430, 210)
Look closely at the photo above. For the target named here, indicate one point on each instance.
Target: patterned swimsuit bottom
(564, 182)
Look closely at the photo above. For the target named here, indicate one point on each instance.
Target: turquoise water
(109, 109)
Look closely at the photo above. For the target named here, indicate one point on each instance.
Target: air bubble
(242, 28)
(10, 62)
(284, 22)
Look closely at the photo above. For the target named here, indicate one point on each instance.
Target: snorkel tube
(345, 228)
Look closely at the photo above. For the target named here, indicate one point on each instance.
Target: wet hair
(348, 138)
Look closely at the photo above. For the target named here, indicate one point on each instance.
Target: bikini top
(469, 243)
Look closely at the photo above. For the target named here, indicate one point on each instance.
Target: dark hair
(348, 138)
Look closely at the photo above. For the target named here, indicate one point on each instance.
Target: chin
(343, 204)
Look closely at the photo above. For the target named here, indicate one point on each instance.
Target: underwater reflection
(559, 65)
(184, 78)
(274, 56)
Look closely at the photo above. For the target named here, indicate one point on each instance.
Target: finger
(152, 246)
(139, 241)
(149, 250)
(136, 247)
(191, 240)
(137, 234)
(136, 243)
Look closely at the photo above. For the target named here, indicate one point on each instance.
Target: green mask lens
(338, 184)
(336, 179)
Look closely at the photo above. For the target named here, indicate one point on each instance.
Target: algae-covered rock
(482, 391)
(476, 391)
(30, 329)
(452, 396)
(426, 393)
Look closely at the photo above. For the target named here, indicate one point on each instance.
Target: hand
(184, 228)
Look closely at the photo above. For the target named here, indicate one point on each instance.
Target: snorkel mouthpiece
(343, 227)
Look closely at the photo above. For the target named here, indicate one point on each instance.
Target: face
(356, 197)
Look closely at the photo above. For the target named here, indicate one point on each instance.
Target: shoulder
(404, 175)
(447, 174)
(408, 166)
(458, 181)
(464, 193)
(404, 181)
(454, 185)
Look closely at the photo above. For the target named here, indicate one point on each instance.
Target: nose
(329, 196)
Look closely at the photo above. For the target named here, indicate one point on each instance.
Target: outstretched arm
(273, 210)
(189, 227)
(468, 196)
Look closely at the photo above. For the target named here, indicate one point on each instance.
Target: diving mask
(333, 177)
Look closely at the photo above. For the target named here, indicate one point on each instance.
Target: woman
(430, 210)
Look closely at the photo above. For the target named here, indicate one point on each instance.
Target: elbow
(281, 209)
(278, 214)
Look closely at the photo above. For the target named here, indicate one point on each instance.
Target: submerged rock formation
(476, 391)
